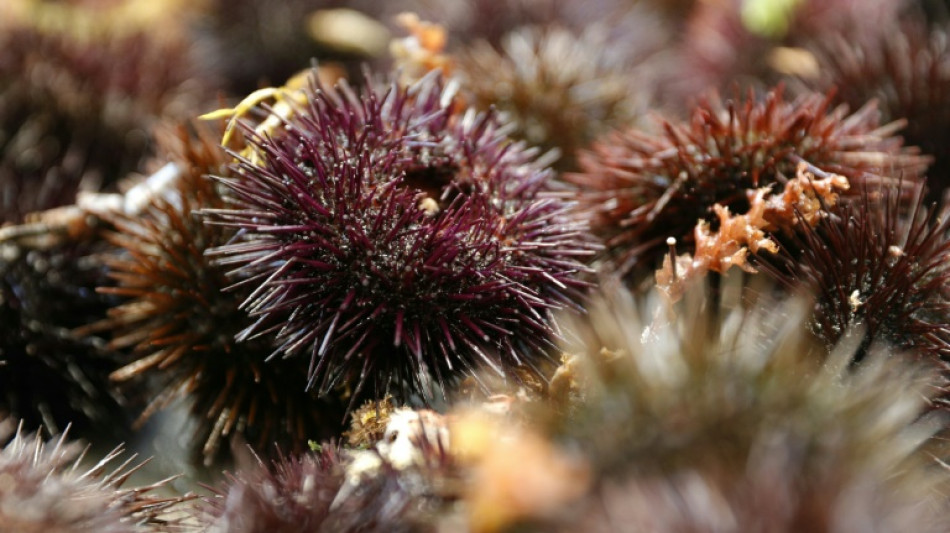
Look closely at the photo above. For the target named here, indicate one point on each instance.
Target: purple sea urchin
(870, 264)
(643, 188)
(180, 324)
(395, 241)
(45, 489)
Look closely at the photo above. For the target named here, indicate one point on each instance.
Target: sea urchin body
(396, 240)
(643, 188)
(870, 265)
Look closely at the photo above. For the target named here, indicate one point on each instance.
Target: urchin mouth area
(436, 183)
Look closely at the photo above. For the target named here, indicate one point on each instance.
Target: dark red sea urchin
(644, 187)
(397, 240)
(871, 264)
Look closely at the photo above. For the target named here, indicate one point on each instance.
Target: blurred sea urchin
(726, 418)
(46, 489)
(80, 88)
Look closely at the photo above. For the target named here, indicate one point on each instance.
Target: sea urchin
(644, 187)
(397, 240)
(45, 489)
(876, 264)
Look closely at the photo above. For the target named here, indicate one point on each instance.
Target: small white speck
(855, 301)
